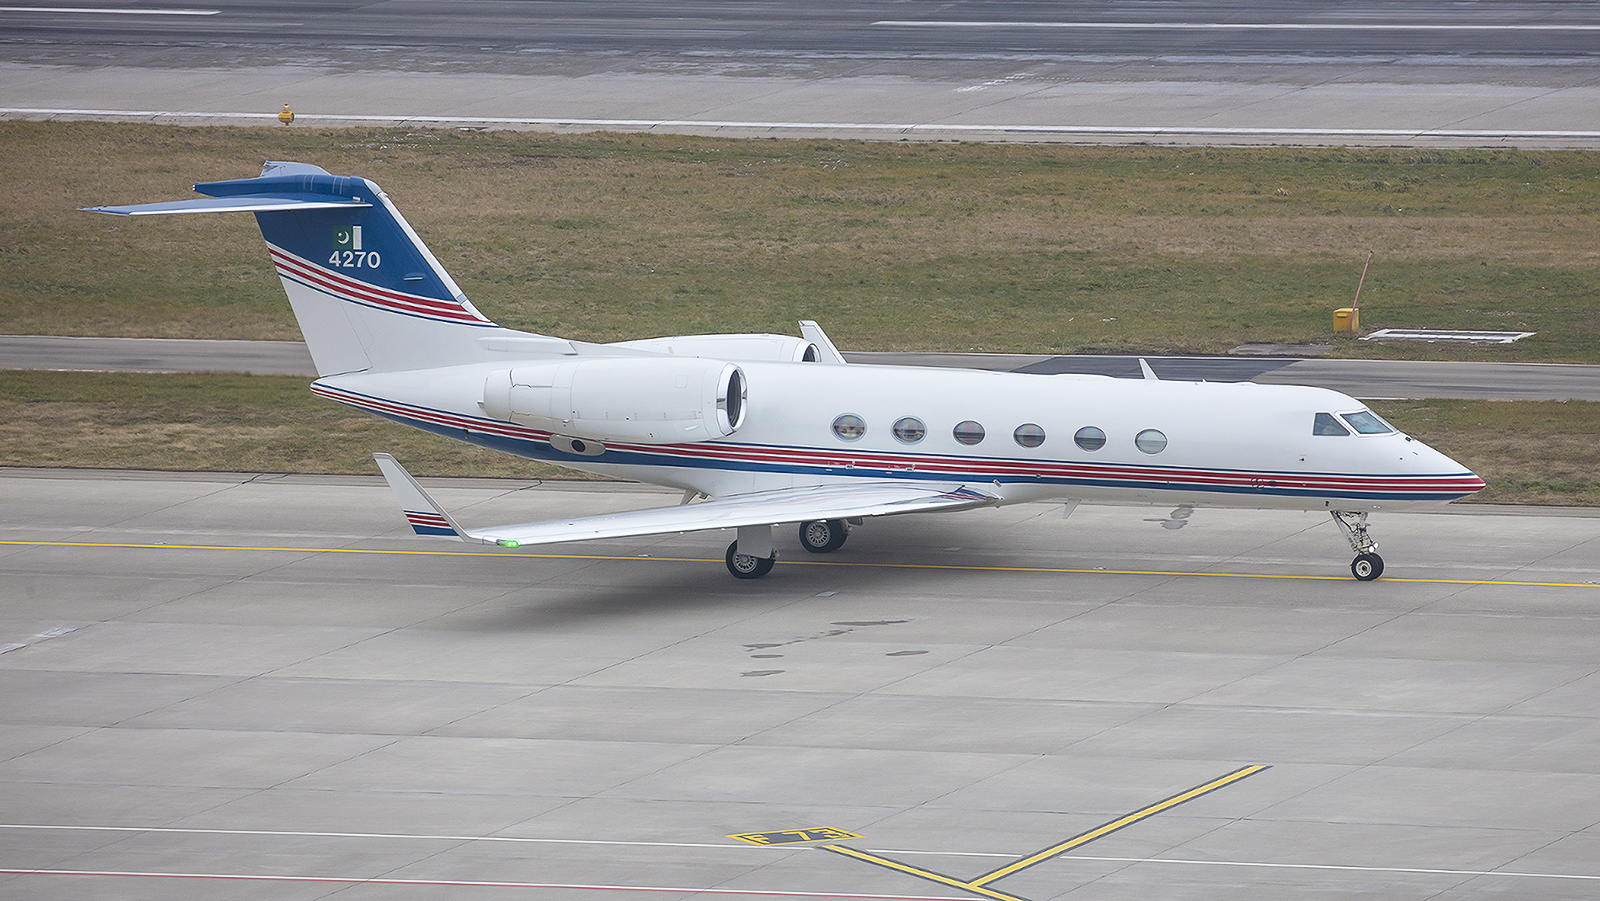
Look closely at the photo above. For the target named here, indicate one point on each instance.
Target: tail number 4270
(354, 259)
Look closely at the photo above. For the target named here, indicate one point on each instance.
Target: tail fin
(368, 294)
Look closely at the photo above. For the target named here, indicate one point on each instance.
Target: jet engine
(647, 400)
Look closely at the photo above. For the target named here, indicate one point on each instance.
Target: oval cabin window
(849, 427)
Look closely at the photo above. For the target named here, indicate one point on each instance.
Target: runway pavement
(1363, 73)
(1369, 379)
(259, 687)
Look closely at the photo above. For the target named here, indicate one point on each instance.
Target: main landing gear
(747, 566)
(823, 536)
(751, 555)
(1367, 565)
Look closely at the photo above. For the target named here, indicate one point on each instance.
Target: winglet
(1149, 373)
(825, 349)
(421, 510)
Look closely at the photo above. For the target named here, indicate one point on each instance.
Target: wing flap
(756, 509)
(839, 501)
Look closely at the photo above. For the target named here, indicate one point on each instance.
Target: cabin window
(1028, 435)
(849, 427)
(1367, 423)
(1327, 425)
(1150, 441)
(1090, 438)
(909, 430)
(968, 432)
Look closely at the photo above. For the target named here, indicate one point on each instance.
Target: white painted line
(109, 12)
(1423, 334)
(473, 883)
(727, 847)
(382, 835)
(1234, 26)
(899, 127)
(1426, 871)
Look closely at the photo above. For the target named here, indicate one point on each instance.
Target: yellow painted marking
(920, 873)
(795, 836)
(979, 886)
(1061, 570)
(1119, 823)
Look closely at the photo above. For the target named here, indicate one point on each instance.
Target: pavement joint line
(960, 567)
(1219, 131)
(979, 885)
(471, 883)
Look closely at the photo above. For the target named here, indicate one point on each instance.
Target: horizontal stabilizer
(248, 203)
(755, 509)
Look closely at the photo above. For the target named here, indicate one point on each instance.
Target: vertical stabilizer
(368, 294)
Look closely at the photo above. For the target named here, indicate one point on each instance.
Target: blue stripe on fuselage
(542, 450)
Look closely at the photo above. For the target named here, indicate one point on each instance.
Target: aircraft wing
(804, 504)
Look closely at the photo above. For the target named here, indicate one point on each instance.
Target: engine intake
(648, 400)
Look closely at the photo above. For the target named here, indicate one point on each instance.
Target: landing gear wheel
(745, 566)
(823, 536)
(1366, 567)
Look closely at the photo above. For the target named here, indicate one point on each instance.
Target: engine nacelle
(763, 348)
(647, 400)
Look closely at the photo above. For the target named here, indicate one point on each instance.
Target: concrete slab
(589, 718)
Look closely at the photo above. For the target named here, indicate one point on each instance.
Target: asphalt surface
(1352, 73)
(1370, 379)
(963, 27)
(262, 687)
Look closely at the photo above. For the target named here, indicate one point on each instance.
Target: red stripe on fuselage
(959, 468)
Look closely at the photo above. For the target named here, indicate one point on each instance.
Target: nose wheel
(1367, 565)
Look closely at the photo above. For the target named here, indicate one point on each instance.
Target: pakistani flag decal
(347, 238)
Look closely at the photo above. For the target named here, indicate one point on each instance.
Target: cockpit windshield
(1367, 422)
(1327, 425)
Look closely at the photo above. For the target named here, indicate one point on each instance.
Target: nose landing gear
(1367, 565)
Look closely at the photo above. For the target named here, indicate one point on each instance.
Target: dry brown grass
(891, 246)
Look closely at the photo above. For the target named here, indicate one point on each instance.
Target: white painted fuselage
(1227, 444)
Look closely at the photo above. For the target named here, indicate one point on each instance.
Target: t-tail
(368, 294)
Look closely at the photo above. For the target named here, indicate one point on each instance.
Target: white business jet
(771, 429)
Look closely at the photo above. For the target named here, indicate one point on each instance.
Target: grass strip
(1530, 452)
(892, 246)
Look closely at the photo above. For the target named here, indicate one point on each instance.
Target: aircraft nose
(1460, 477)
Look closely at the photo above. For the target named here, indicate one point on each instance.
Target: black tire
(823, 536)
(1366, 567)
(744, 566)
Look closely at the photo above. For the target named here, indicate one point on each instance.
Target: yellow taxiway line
(980, 884)
(966, 567)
